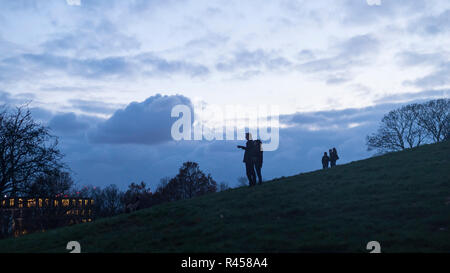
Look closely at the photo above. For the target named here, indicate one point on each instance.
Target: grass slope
(400, 199)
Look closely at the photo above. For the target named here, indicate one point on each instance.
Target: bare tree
(27, 151)
(434, 118)
(399, 130)
(53, 183)
(112, 201)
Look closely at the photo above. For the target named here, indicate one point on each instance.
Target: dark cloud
(147, 122)
(9, 99)
(5, 97)
(67, 124)
(40, 114)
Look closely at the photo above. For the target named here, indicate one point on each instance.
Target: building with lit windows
(22, 215)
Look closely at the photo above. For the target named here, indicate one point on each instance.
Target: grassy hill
(401, 200)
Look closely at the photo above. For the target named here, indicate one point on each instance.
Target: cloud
(334, 120)
(148, 122)
(253, 59)
(100, 37)
(439, 77)
(147, 64)
(372, 11)
(92, 106)
(439, 62)
(89, 67)
(7, 98)
(417, 96)
(409, 58)
(337, 79)
(156, 65)
(208, 41)
(432, 25)
(355, 51)
(373, 2)
(73, 2)
(67, 124)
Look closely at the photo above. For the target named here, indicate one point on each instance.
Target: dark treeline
(189, 182)
(412, 125)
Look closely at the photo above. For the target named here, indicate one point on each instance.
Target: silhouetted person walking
(250, 159)
(259, 159)
(325, 160)
(333, 157)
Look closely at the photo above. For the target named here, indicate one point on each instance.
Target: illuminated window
(47, 202)
(74, 202)
(11, 202)
(80, 202)
(20, 203)
(40, 202)
(31, 203)
(56, 203)
(65, 202)
(92, 202)
(86, 202)
(4, 203)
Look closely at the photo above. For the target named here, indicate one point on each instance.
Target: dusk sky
(105, 74)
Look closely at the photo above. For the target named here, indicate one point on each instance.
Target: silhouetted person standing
(259, 159)
(333, 157)
(325, 160)
(250, 159)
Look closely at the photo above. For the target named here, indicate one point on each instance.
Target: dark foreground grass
(401, 200)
